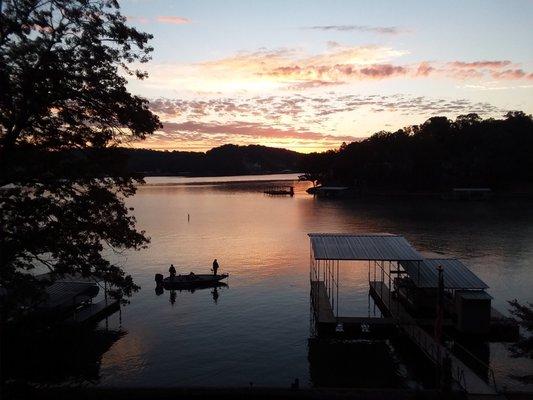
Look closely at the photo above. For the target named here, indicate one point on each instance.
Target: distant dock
(279, 191)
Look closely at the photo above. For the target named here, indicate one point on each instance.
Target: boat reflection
(214, 287)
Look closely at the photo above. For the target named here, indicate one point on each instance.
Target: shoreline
(201, 392)
(231, 393)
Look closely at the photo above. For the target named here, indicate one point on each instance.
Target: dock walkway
(322, 306)
(462, 374)
(325, 316)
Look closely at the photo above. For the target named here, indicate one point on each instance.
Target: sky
(309, 75)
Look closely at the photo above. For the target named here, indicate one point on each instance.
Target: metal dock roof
(456, 274)
(368, 246)
(63, 293)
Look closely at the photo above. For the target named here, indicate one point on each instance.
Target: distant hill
(224, 160)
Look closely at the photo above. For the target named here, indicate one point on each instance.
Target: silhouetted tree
(437, 155)
(63, 69)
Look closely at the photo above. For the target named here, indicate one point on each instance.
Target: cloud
(140, 20)
(300, 122)
(245, 128)
(511, 74)
(296, 109)
(424, 69)
(383, 71)
(496, 69)
(480, 64)
(382, 30)
(293, 69)
(172, 19)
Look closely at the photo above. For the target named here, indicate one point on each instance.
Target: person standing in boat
(215, 267)
(172, 271)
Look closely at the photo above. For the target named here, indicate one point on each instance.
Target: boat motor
(159, 279)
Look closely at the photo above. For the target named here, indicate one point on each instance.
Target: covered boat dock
(70, 298)
(328, 250)
(393, 266)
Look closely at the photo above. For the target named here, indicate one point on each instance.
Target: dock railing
(433, 350)
(479, 364)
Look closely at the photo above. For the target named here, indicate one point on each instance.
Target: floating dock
(280, 191)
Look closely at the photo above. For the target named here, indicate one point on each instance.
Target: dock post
(337, 283)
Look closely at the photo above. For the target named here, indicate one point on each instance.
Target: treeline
(437, 155)
(224, 160)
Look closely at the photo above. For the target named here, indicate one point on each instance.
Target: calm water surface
(256, 329)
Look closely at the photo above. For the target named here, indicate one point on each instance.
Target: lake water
(257, 329)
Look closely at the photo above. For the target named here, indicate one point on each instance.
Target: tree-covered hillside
(437, 155)
(224, 160)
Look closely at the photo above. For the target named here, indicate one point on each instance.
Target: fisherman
(172, 271)
(215, 267)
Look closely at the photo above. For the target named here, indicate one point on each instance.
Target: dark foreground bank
(24, 392)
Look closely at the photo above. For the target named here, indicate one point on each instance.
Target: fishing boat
(190, 280)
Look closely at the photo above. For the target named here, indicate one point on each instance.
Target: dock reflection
(352, 363)
(64, 354)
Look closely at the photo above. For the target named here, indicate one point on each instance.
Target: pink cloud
(424, 69)
(171, 19)
(140, 20)
(496, 69)
(243, 128)
(480, 64)
(383, 71)
(326, 75)
(510, 74)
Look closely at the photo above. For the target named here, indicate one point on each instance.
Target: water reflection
(263, 320)
(62, 355)
(214, 293)
(356, 363)
(173, 292)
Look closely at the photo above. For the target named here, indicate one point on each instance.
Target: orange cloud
(171, 19)
(140, 20)
(272, 71)
(424, 69)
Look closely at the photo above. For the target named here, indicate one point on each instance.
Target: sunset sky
(308, 75)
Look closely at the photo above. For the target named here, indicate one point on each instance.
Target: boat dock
(70, 300)
(408, 290)
(94, 312)
(327, 322)
(280, 191)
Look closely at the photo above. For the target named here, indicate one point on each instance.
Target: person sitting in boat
(172, 271)
(191, 276)
(215, 267)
